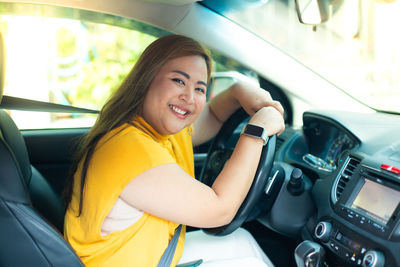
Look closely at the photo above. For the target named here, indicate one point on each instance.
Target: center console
(367, 202)
(372, 203)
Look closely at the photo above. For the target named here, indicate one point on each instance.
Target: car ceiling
(149, 11)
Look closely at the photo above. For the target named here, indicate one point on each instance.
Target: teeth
(178, 110)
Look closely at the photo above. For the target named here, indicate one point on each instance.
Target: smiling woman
(136, 163)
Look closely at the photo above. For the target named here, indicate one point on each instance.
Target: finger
(268, 96)
(282, 130)
(279, 107)
(278, 133)
(275, 104)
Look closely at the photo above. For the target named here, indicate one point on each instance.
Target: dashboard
(326, 140)
(351, 162)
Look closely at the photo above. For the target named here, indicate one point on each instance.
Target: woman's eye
(201, 90)
(177, 80)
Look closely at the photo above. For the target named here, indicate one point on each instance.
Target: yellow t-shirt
(120, 156)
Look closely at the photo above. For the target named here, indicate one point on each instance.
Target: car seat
(27, 238)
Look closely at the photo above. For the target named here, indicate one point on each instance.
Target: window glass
(222, 80)
(77, 60)
(226, 72)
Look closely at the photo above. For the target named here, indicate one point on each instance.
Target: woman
(133, 182)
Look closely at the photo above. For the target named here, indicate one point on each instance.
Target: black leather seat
(29, 207)
(43, 196)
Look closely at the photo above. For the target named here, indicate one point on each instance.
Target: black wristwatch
(256, 132)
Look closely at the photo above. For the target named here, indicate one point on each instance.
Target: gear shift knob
(309, 254)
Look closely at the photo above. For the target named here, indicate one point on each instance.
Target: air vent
(344, 177)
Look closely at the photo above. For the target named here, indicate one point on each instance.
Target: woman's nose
(188, 95)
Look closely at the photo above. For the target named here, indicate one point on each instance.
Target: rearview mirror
(312, 12)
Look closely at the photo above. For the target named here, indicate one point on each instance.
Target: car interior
(31, 211)
(330, 195)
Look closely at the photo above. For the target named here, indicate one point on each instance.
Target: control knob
(373, 258)
(323, 231)
(295, 185)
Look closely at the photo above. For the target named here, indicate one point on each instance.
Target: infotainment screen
(376, 201)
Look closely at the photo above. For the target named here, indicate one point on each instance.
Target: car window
(224, 79)
(77, 58)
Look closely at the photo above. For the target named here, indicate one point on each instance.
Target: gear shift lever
(309, 254)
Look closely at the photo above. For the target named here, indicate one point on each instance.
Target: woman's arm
(169, 192)
(222, 106)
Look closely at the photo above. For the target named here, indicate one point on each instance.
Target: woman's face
(177, 95)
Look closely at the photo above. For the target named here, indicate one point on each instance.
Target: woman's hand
(252, 98)
(270, 119)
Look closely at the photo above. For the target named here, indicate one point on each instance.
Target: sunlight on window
(357, 49)
(68, 62)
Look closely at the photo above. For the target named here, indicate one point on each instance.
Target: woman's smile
(180, 112)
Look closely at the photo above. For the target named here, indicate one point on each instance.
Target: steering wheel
(218, 154)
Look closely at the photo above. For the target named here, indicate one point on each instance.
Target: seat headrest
(12, 185)
(2, 65)
(13, 138)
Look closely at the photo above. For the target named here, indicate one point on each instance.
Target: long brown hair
(127, 102)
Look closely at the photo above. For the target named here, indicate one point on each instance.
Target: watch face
(254, 130)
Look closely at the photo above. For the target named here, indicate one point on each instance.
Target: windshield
(357, 49)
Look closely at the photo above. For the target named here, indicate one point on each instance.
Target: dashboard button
(323, 231)
(374, 258)
(390, 168)
(377, 226)
(339, 236)
(368, 260)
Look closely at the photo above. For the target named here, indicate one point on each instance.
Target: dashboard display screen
(376, 201)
